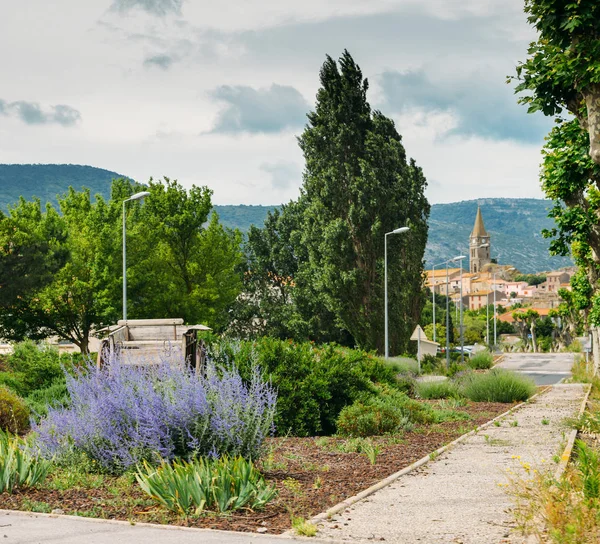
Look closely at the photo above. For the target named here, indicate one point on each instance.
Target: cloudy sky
(215, 92)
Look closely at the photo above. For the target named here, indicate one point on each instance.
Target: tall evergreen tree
(316, 269)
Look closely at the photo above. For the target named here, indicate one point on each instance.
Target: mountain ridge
(515, 225)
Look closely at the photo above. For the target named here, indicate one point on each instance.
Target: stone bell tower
(480, 256)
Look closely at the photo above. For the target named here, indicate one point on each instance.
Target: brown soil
(311, 474)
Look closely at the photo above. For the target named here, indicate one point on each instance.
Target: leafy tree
(78, 298)
(32, 250)
(563, 68)
(526, 322)
(183, 263)
(531, 279)
(178, 266)
(562, 73)
(358, 185)
(315, 270)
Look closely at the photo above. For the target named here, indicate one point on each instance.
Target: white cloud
(142, 85)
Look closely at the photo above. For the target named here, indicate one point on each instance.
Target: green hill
(46, 181)
(515, 224)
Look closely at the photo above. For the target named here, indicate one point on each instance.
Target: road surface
(544, 368)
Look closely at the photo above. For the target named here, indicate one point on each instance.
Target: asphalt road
(544, 368)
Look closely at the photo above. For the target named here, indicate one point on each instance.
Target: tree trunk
(595, 349)
(592, 101)
(84, 345)
(533, 342)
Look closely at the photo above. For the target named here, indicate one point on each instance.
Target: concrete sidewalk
(461, 496)
(30, 528)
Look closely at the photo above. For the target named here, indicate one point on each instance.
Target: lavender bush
(122, 414)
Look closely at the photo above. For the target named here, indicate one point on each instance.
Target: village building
(481, 299)
(554, 280)
(480, 282)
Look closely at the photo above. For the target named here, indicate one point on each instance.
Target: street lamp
(400, 230)
(433, 295)
(487, 309)
(453, 260)
(462, 338)
(137, 196)
(495, 313)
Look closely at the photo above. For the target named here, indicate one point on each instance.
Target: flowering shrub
(122, 414)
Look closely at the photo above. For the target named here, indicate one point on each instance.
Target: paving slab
(461, 497)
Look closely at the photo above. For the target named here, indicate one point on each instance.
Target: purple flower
(121, 414)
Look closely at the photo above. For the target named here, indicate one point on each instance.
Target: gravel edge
(566, 456)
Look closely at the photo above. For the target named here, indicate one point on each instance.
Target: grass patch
(498, 385)
(401, 365)
(303, 527)
(445, 389)
(481, 361)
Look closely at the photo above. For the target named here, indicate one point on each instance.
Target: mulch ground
(311, 475)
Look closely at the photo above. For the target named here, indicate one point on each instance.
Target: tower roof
(479, 230)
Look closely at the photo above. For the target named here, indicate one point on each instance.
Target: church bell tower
(480, 256)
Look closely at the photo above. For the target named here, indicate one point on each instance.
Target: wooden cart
(148, 341)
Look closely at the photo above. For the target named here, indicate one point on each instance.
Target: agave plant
(18, 466)
(216, 484)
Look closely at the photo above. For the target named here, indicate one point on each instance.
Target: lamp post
(495, 313)
(137, 196)
(433, 296)
(453, 260)
(395, 231)
(462, 338)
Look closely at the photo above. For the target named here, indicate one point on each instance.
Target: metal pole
(495, 317)
(124, 266)
(386, 294)
(447, 321)
(487, 319)
(462, 339)
(433, 298)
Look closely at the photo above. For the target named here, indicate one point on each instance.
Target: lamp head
(459, 258)
(138, 196)
(400, 230)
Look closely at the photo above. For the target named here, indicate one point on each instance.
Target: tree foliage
(563, 68)
(562, 74)
(66, 266)
(321, 258)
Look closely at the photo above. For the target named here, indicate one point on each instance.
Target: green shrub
(401, 365)
(191, 487)
(15, 381)
(388, 412)
(455, 368)
(497, 385)
(432, 365)
(53, 396)
(14, 413)
(313, 383)
(437, 390)
(482, 360)
(406, 383)
(34, 367)
(19, 468)
(376, 417)
(588, 464)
